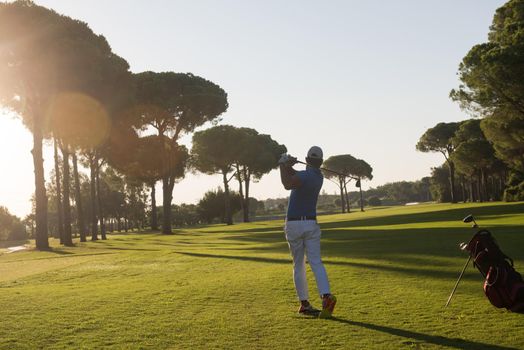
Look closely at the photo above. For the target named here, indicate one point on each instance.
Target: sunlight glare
(79, 120)
(16, 179)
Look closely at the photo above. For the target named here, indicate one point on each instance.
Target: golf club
(456, 284)
(467, 219)
(329, 170)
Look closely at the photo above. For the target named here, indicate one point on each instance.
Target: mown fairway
(231, 287)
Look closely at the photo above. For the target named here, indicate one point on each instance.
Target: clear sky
(360, 77)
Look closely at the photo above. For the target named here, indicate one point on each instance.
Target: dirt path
(16, 249)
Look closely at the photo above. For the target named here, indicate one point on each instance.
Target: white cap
(315, 152)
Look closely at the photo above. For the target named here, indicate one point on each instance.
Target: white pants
(303, 238)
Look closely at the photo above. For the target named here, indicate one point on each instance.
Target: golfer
(302, 230)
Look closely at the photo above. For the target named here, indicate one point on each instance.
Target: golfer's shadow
(426, 338)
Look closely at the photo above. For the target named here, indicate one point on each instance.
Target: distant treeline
(394, 193)
(11, 227)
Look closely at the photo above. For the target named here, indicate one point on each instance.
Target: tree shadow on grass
(269, 228)
(430, 216)
(482, 212)
(60, 252)
(433, 273)
(196, 244)
(58, 256)
(456, 343)
(133, 249)
(234, 257)
(150, 232)
(396, 245)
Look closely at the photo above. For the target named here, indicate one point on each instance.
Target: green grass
(222, 287)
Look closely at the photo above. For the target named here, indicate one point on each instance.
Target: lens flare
(78, 120)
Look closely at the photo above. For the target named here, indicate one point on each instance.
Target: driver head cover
(315, 152)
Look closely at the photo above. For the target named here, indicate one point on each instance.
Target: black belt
(300, 218)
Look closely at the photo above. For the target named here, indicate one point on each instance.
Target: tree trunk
(78, 200)
(479, 187)
(493, 188)
(59, 207)
(463, 190)
(100, 201)
(452, 181)
(41, 239)
(361, 199)
(342, 201)
(154, 215)
(241, 192)
(94, 228)
(167, 189)
(68, 237)
(247, 177)
(227, 203)
(484, 184)
(346, 197)
(471, 194)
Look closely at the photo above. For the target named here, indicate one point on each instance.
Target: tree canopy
(176, 103)
(492, 84)
(473, 151)
(216, 149)
(440, 139)
(362, 170)
(343, 164)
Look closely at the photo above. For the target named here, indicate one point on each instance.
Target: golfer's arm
(288, 177)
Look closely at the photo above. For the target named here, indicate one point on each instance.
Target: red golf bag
(503, 285)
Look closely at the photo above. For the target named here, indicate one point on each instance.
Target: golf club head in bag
(468, 218)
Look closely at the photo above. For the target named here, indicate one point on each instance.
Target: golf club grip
(456, 284)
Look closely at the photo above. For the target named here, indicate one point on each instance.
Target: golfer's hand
(284, 157)
(291, 160)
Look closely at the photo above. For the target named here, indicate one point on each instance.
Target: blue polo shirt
(303, 200)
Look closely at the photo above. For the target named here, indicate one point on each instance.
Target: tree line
(68, 86)
(392, 193)
(484, 157)
(11, 227)
(472, 171)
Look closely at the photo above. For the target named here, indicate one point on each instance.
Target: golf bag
(503, 285)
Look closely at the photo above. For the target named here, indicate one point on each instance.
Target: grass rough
(220, 287)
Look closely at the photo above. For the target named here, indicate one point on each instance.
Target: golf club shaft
(456, 284)
(329, 170)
